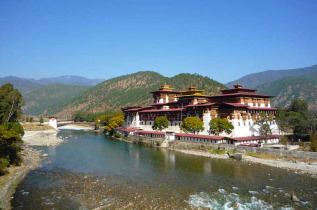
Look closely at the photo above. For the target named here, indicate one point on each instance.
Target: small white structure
(52, 122)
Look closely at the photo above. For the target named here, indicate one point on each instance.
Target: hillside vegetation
(133, 90)
(50, 99)
(256, 79)
(288, 89)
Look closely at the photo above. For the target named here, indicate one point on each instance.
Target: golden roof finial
(238, 85)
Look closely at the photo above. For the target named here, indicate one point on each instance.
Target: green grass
(217, 151)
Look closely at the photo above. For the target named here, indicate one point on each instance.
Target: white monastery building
(241, 106)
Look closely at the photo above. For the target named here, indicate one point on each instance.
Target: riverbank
(296, 165)
(84, 127)
(31, 160)
(306, 166)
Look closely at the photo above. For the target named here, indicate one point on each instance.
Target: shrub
(217, 151)
(4, 163)
(284, 140)
(118, 135)
(313, 142)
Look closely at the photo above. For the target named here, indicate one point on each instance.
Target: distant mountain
(296, 87)
(70, 80)
(256, 79)
(133, 89)
(23, 85)
(50, 99)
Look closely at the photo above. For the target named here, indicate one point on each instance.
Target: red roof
(249, 138)
(235, 104)
(150, 132)
(127, 129)
(166, 91)
(198, 136)
(137, 109)
(240, 94)
(163, 110)
(235, 90)
(262, 108)
(162, 104)
(204, 104)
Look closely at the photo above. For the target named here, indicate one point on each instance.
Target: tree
(114, 123)
(281, 120)
(41, 120)
(312, 121)
(192, 125)
(160, 123)
(264, 122)
(313, 142)
(297, 122)
(299, 106)
(219, 125)
(31, 120)
(10, 103)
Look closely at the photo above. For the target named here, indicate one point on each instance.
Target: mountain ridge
(255, 79)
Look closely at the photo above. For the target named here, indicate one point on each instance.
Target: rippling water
(90, 170)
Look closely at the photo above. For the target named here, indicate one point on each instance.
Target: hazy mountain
(49, 99)
(290, 88)
(133, 89)
(23, 85)
(256, 79)
(70, 80)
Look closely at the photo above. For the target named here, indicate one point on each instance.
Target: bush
(284, 140)
(4, 163)
(217, 151)
(313, 142)
(118, 135)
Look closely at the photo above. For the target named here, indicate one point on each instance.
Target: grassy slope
(287, 89)
(49, 99)
(133, 89)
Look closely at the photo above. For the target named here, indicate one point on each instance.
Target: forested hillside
(256, 79)
(50, 99)
(288, 89)
(133, 89)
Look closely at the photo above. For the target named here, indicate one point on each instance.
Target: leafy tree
(160, 123)
(10, 103)
(313, 142)
(284, 140)
(31, 120)
(264, 123)
(219, 125)
(297, 122)
(192, 125)
(281, 120)
(11, 142)
(312, 121)
(114, 122)
(41, 120)
(299, 106)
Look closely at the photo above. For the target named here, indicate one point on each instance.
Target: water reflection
(91, 170)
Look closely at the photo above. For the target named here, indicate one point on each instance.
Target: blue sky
(223, 40)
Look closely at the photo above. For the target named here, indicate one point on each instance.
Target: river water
(90, 170)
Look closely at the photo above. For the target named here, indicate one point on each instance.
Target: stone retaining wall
(156, 142)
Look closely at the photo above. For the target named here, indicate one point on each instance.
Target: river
(90, 170)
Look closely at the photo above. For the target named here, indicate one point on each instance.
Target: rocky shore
(31, 161)
(298, 165)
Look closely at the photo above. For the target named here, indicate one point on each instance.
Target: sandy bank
(76, 127)
(31, 159)
(8, 182)
(41, 138)
(301, 167)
